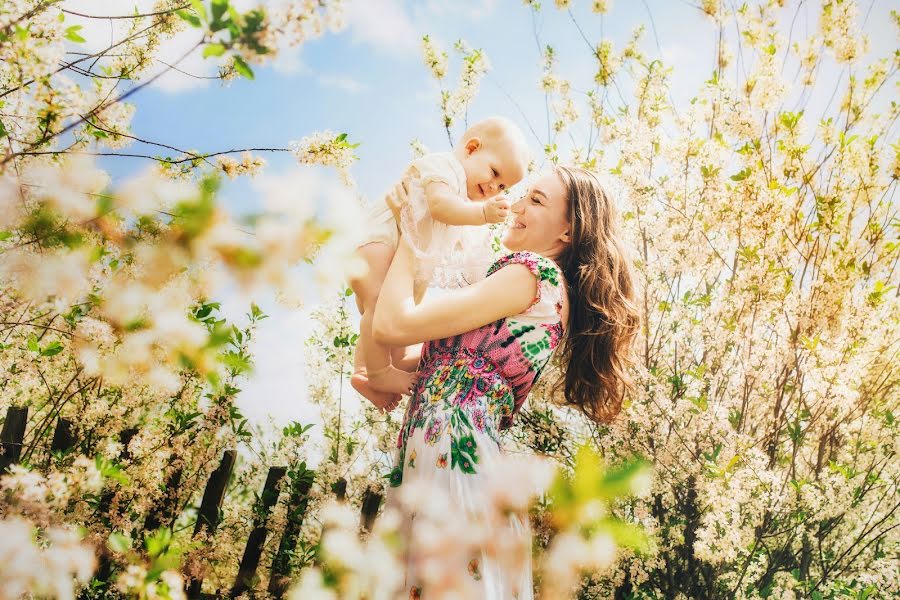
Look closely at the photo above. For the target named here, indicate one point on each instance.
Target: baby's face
(490, 169)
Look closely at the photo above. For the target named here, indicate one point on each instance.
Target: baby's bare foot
(381, 400)
(393, 380)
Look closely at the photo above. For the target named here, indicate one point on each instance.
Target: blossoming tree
(765, 231)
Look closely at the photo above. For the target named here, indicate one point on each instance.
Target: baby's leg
(406, 358)
(374, 377)
(360, 382)
(365, 289)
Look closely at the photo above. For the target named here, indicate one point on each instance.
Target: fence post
(12, 435)
(370, 505)
(208, 515)
(63, 439)
(124, 438)
(257, 539)
(339, 488)
(163, 514)
(104, 569)
(280, 577)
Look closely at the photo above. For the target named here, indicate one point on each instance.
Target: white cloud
(674, 54)
(345, 84)
(278, 386)
(474, 10)
(288, 62)
(194, 64)
(383, 24)
(100, 33)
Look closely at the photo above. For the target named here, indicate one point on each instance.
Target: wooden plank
(12, 435)
(280, 577)
(208, 514)
(339, 488)
(125, 437)
(63, 438)
(104, 568)
(164, 513)
(256, 541)
(370, 505)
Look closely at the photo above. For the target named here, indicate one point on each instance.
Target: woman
(567, 283)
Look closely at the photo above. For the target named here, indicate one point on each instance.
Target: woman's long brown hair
(603, 313)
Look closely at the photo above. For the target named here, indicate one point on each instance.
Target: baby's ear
(472, 144)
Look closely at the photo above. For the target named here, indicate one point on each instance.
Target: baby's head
(494, 155)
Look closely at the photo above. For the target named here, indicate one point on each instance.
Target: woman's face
(539, 219)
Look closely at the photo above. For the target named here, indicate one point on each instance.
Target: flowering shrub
(766, 240)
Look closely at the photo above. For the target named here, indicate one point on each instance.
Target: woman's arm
(399, 321)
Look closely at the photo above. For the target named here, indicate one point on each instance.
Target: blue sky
(375, 87)
(370, 82)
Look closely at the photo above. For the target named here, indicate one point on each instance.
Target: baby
(446, 190)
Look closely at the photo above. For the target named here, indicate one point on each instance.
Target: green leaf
(219, 7)
(242, 67)
(742, 175)
(158, 542)
(110, 470)
(192, 19)
(3, 131)
(789, 119)
(621, 480)
(5, 235)
(296, 429)
(33, 345)
(72, 34)
(628, 535)
(256, 313)
(52, 349)
(236, 362)
(213, 50)
(200, 9)
(119, 543)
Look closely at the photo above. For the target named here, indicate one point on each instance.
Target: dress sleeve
(544, 269)
(435, 168)
(430, 240)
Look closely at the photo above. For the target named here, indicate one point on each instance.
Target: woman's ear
(566, 237)
(472, 144)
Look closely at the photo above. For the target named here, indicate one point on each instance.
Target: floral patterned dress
(470, 387)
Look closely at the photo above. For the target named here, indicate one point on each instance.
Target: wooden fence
(209, 512)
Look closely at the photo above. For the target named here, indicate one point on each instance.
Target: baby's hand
(495, 210)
